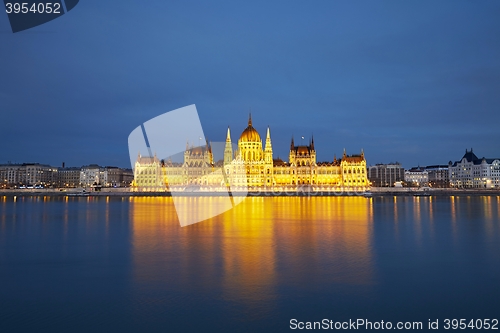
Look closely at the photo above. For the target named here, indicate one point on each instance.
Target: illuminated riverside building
(474, 172)
(251, 165)
(417, 175)
(28, 174)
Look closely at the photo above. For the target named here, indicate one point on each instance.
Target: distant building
(118, 177)
(69, 177)
(474, 172)
(109, 176)
(28, 174)
(417, 176)
(128, 177)
(438, 175)
(9, 174)
(93, 174)
(386, 175)
(35, 174)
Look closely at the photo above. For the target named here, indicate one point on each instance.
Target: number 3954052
(35, 8)
(463, 324)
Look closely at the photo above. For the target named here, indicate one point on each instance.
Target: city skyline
(405, 82)
(444, 161)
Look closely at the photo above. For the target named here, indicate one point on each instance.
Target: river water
(112, 264)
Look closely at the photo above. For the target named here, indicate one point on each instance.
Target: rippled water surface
(125, 265)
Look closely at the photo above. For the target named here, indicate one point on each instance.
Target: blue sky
(415, 82)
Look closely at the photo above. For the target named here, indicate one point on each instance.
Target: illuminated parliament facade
(251, 165)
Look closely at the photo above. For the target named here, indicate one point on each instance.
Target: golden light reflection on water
(240, 249)
(488, 215)
(453, 210)
(395, 203)
(264, 248)
(431, 214)
(65, 218)
(498, 206)
(4, 203)
(417, 209)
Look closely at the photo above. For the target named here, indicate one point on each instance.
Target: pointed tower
(228, 150)
(186, 154)
(313, 151)
(209, 152)
(268, 151)
(268, 160)
(291, 156)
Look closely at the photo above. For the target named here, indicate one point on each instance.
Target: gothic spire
(250, 119)
(228, 137)
(268, 138)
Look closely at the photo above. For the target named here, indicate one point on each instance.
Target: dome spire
(250, 134)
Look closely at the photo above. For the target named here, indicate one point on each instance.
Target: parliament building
(250, 166)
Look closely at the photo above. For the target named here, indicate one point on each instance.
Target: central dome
(250, 134)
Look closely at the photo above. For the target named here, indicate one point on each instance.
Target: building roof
(485, 160)
(434, 167)
(147, 159)
(69, 169)
(469, 156)
(303, 150)
(353, 158)
(279, 162)
(250, 134)
(416, 169)
(326, 163)
(200, 150)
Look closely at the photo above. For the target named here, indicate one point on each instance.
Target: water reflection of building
(248, 252)
(252, 165)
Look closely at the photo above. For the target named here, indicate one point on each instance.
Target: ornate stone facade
(251, 165)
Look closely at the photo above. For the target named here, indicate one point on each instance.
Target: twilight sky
(415, 82)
